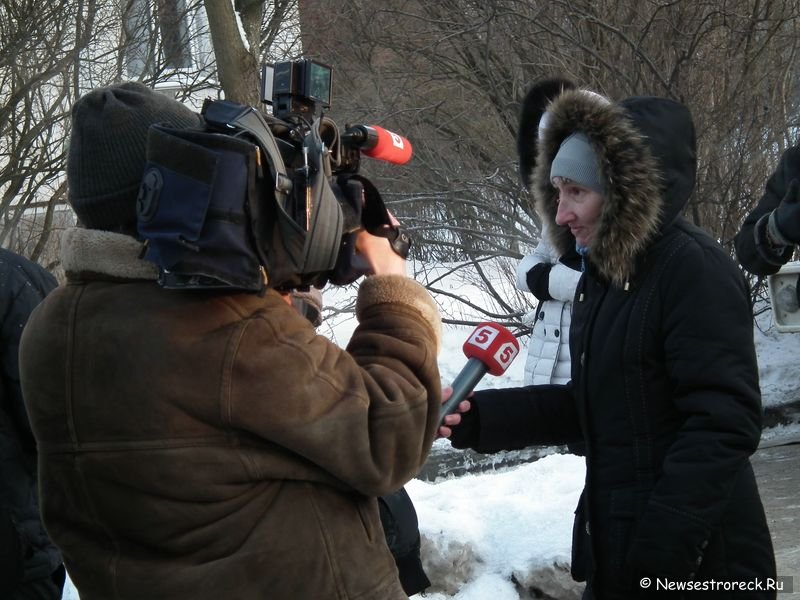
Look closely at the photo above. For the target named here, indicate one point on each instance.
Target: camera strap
(229, 117)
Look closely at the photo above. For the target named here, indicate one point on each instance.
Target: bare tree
(450, 75)
(267, 33)
(40, 43)
(51, 52)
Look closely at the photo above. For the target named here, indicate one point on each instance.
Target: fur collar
(87, 252)
(646, 146)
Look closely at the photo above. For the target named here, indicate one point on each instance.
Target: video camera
(296, 88)
(299, 91)
(252, 200)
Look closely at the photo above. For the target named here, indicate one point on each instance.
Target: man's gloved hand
(783, 226)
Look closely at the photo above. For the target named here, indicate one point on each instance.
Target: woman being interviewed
(664, 388)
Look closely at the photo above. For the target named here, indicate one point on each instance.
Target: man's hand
(784, 222)
(378, 254)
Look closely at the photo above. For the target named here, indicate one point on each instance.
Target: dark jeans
(47, 588)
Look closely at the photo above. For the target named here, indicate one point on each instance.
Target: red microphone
(377, 142)
(491, 348)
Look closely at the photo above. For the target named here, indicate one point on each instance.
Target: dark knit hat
(107, 150)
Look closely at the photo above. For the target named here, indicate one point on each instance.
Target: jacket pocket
(620, 529)
(344, 514)
(581, 544)
(626, 506)
(367, 512)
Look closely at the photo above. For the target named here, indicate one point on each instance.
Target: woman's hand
(452, 419)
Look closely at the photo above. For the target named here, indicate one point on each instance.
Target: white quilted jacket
(548, 359)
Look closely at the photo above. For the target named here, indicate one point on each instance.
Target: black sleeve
(752, 247)
(24, 287)
(538, 279)
(513, 418)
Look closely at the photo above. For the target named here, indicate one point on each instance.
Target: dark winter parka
(664, 387)
(26, 553)
(209, 445)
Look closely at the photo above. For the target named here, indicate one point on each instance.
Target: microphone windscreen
(391, 147)
(494, 345)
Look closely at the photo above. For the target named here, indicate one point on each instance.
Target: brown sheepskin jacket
(202, 445)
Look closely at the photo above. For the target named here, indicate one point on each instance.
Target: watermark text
(784, 584)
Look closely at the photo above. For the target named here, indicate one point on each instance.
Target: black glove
(467, 433)
(784, 222)
(538, 280)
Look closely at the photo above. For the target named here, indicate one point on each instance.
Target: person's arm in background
(23, 289)
(547, 277)
(769, 233)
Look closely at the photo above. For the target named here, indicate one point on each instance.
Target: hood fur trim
(93, 251)
(630, 217)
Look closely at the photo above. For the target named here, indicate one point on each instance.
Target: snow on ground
(481, 529)
(778, 362)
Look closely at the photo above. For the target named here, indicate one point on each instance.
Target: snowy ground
(506, 534)
(494, 535)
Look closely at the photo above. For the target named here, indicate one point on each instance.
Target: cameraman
(771, 231)
(208, 444)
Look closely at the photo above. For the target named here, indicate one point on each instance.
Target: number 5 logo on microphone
(506, 354)
(483, 336)
(493, 345)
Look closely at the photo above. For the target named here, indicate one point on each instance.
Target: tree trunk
(236, 67)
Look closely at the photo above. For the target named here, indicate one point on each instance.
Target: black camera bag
(218, 209)
(194, 209)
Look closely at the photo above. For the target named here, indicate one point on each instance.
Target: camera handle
(398, 238)
(378, 220)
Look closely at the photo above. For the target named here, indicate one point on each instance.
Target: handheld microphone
(377, 142)
(491, 348)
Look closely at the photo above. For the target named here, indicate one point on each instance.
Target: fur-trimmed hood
(647, 148)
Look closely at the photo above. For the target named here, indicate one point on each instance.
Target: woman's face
(579, 209)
